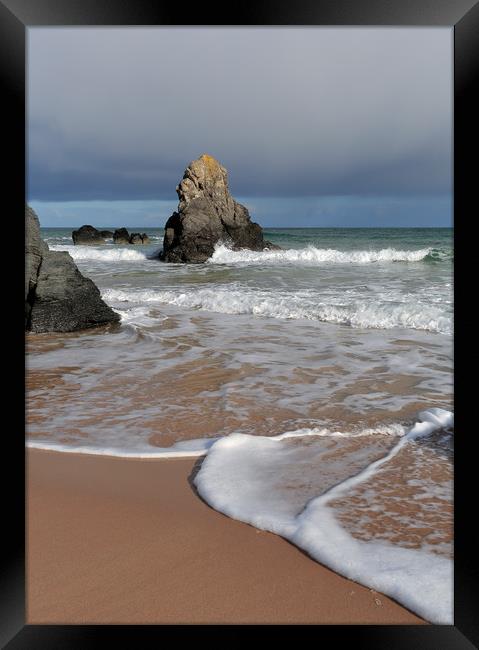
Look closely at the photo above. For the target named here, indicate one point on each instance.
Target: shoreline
(123, 540)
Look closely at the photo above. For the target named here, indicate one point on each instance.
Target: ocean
(317, 380)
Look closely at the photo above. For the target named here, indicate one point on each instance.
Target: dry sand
(128, 541)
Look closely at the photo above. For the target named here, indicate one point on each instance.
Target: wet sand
(114, 540)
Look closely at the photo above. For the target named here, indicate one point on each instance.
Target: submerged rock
(137, 238)
(121, 236)
(58, 298)
(90, 235)
(207, 215)
(87, 235)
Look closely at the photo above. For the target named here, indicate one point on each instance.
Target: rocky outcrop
(87, 235)
(136, 238)
(35, 248)
(207, 215)
(58, 298)
(121, 236)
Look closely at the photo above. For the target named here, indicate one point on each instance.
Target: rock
(34, 250)
(207, 215)
(58, 298)
(87, 235)
(65, 300)
(106, 234)
(136, 238)
(121, 236)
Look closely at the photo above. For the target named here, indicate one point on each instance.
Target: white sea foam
(312, 256)
(385, 430)
(181, 449)
(372, 313)
(101, 254)
(242, 477)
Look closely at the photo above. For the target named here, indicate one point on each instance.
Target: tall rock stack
(58, 298)
(207, 214)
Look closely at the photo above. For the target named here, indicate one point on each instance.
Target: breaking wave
(312, 256)
(367, 314)
(106, 255)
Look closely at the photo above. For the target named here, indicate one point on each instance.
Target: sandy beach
(113, 540)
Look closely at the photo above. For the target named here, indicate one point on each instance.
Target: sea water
(303, 374)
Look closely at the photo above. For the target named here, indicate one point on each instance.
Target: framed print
(240, 321)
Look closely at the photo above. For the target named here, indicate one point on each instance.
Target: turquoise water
(342, 238)
(370, 278)
(352, 238)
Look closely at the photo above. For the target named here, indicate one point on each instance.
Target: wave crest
(361, 313)
(105, 255)
(313, 256)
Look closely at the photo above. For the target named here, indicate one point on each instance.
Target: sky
(316, 126)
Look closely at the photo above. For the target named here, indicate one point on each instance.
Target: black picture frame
(15, 17)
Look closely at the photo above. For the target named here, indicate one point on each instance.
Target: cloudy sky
(316, 126)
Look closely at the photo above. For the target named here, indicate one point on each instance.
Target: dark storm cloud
(119, 113)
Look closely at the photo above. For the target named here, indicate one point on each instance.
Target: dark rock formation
(121, 236)
(58, 298)
(90, 235)
(65, 300)
(35, 248)
(136, 238)
(87, 235)
(207, 214)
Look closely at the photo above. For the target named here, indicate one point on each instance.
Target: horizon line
(269, 227)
